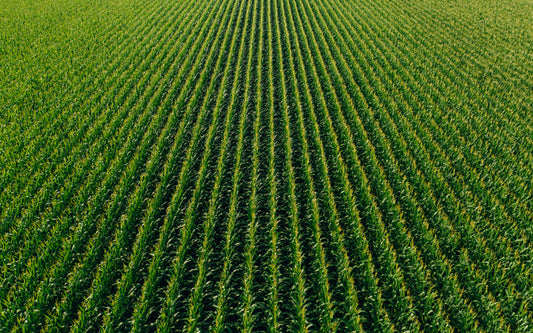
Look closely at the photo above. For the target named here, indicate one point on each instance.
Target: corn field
(266, 165)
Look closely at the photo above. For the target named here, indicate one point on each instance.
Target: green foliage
(266, 165)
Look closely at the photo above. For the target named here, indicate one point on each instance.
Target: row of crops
(266, 165)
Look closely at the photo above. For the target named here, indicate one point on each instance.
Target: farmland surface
(266, 165)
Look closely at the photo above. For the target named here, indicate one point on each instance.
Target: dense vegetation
(266, 165)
